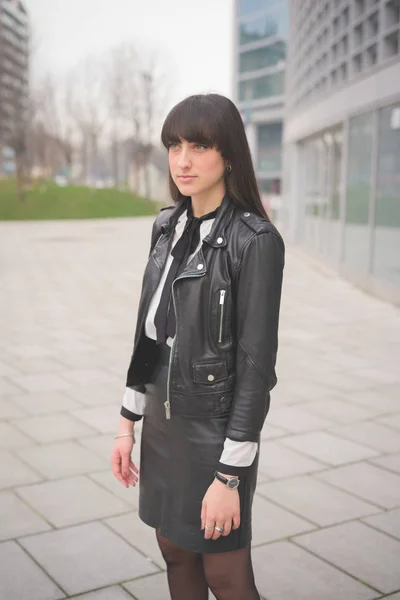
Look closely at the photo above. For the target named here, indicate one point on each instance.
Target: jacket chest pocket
(222, 324)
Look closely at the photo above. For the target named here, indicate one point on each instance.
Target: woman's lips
(186, 178)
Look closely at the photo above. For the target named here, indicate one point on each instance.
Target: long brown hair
(214, 120)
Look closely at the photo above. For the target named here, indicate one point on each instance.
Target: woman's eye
(201, 146)
(173, 145)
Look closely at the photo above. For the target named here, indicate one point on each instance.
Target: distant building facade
(14, 39)
(261, 33)
(341, 193)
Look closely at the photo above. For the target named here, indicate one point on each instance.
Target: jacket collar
(216, 237)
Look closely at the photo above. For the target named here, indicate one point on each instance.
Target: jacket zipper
(221, 314)
(167, 403)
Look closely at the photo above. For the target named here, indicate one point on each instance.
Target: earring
(229, 168)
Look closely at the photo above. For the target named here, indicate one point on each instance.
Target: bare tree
(145, 92)
(54, 102)
(116, 82)
(89, 112)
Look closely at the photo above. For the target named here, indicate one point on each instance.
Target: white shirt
(237, 454)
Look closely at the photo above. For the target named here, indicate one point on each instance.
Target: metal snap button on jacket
(211, 378)
(246, 214)
(220, 240)
(200, 266)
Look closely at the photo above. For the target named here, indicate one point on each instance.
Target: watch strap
(224, 480)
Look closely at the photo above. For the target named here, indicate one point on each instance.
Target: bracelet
(125, 435)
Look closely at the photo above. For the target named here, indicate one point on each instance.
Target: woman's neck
(202, 204)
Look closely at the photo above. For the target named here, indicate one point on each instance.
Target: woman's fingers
(218, 529)
(236, 521)
(125, 461)
(124, 468)
(227, 527)
(203, 515)
(133, 466)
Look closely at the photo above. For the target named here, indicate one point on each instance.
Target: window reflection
(321, 169)
(247, 7)
(357, 238)
(262, 57)
(269, 147)
(262, 87)
(386, 260)
(275, 24)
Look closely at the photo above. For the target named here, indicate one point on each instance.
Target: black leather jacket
(227, 303)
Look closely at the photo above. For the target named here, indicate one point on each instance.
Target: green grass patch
(49, 201)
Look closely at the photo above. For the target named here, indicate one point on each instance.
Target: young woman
(203, 361)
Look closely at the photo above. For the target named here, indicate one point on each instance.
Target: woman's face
(195, 168)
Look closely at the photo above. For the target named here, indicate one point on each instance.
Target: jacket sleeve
(258, 295)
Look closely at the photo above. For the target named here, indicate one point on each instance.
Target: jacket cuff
(229, 470)
(242, 436)
(129, 415)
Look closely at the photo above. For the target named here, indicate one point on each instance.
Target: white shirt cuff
(134, 401)
(238, 454)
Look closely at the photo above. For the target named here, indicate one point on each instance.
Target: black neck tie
(164, 320)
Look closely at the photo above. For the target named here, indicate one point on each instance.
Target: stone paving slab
(328, 448)
(43, 403)
(378, 563)
(63, 362)
(73, 500)
(138, 535)
(374, 435)
(286, 572)
(11, 437)
(17, 519)
(390, 462)
(114, 592)
(34, 585)
(14, 472)
(316, 501)
(62, 459)
(85, 557)
(279, 462)
(8, 410)
(104, 419)
(51, 428)
(388, 522)
(272, 522)
(368, 482)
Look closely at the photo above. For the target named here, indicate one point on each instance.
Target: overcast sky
(194, 37)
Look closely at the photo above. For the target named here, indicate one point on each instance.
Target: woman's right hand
(123, 466)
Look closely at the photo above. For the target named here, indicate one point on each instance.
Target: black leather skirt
(178, 459)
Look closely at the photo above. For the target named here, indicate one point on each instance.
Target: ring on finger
(218, 528)
(210, 528)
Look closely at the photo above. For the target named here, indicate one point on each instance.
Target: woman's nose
(184, 159)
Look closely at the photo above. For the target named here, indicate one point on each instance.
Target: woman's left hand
(219, 508)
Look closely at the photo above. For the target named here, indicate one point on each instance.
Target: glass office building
(341, 190)
(261, 32)
(13, 77)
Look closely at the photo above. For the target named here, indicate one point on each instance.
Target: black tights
(229, 575)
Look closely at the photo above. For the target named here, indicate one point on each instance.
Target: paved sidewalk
(327, 510)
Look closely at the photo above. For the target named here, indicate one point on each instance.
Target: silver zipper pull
(221, 315)
(167, 409)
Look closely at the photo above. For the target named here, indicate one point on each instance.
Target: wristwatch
(232, 483)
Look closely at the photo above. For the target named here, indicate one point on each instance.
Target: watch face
(233, 483)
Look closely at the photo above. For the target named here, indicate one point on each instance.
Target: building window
(359, 173)
(386, 260)
(275, 24)
(246, 7)
(261, 58)
(269, 147)
(262, 87)
(270, 186)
